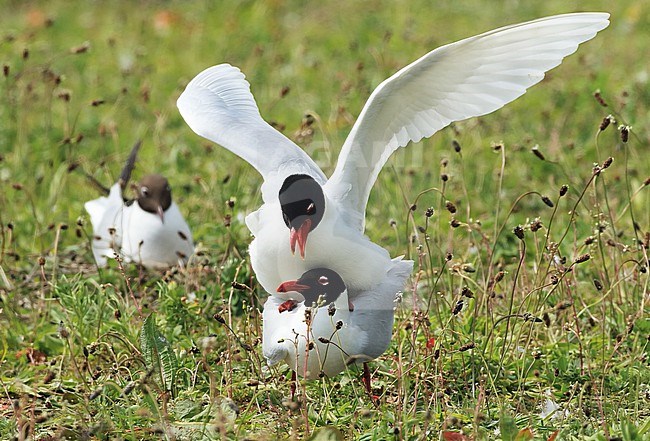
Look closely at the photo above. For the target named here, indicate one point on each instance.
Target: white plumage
(468, 78)
(137, 235)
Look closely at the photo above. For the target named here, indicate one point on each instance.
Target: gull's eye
(168, 188)
(311, 209)
(323, 280)
(144, 191)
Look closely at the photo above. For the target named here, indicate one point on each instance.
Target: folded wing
(471, 77)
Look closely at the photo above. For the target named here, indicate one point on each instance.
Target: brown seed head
(519, 232)
(538, 153)
(607, 162)
(563, 190)
(625, 132)
(599, 98)
(547, 201)
(450, 207)
(583, 258)
(598, 285)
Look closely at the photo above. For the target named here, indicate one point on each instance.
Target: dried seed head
(239, 286)
(609, 119)
(230, 202)
(454, 223)
(599, 98)
(218, 317)
(466, 292)
(97, 103)
(519, 232)
(536, 225)
(547, 201)
(414, 207)
(458, 307)
(339, 325)
(448, 257)
(625, 132)
(450, 207)
(563, 190)
(598, 285)
(647, 181)
(429, 212)
(444, 177)
(608, 162)
(499, 277)
(25, 54)
(331, 309)
(41, 261)
(547, 319)
(590, 240)
(538, 153)
(467, 347)
(310, 346)
(456, 146)
(583, 258)
(284, 91)
(392, 223)
(323, 340)
(554, 279)
(5, 70)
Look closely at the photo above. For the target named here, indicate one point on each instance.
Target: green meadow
(526, 316)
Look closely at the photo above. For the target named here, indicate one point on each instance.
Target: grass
(492, 330)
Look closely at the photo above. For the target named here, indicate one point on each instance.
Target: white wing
(468, 78)
(218, 105)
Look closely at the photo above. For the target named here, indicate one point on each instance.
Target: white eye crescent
(311, 208)
(144, 191)
(323, 280)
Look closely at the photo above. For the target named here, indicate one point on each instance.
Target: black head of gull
(316, 283)
(154, 195)
(303, 205)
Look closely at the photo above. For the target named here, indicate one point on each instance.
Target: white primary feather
(468, 78)
(218, 105)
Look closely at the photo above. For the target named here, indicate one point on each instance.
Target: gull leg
(366, 379)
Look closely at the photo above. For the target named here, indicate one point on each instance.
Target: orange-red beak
(291, 285)
(299, 237)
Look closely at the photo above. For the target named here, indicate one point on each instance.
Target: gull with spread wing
(324, 218)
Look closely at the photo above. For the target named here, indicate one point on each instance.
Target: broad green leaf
(158, 354)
